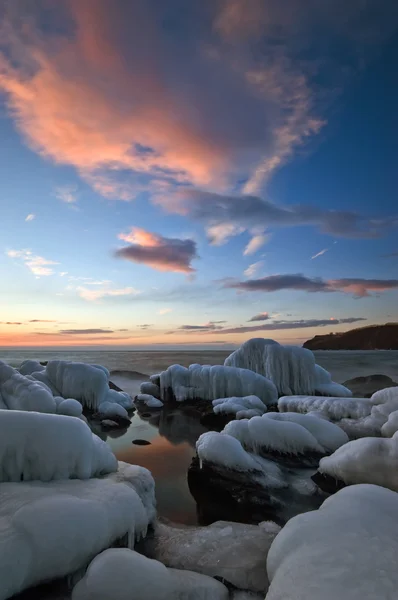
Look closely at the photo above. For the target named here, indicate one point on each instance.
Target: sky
(196, 173)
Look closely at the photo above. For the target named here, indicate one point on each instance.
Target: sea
(172, 434)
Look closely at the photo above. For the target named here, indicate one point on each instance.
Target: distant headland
(372, 337)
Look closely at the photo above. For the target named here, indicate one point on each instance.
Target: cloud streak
(38, 265)
(86, 331)
(94, 294)
(260, 317)
(158, 252)
(320, 253)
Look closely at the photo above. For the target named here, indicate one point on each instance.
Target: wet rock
(115, 387)
(328, 484)
(109, 424)
(139, 442)
(365, 387)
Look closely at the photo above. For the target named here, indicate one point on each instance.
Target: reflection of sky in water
(168, 458)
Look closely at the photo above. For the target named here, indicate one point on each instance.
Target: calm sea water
(172, 435)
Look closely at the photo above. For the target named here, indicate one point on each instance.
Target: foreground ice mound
(46, 447)
(28, 367)
(20, 392)
(87, 383)
(242, 408)
(347, 549)
(50, 530)
(232, 551)
(292, 369)
(123, 574)
(149, 400)
(209, 383)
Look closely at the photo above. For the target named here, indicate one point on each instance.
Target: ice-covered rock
(111, 410)
(211, 382)
(242, 408)
(85, 383)
(21, 393)
(6, 372)
(50, 530)
(41, 377)
(391, 426)
(150, 389)
(69, 407)
(347, 549)
(123, 574)
(46, 447)
(122, 398)
(292, 369)
(366, 460)
(28, 367)
(225, 450)
(232, 551)
(149, 400)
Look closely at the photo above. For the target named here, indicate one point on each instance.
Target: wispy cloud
(41, 321)
(30, 217)
(390, 255)
(164, 311)
(94, 294)
(38, 265)
(356, 286)
(253, 269)
(256, 243)
(145, 326)
(67, 194)
(10, 323)
(320, 253)
(86, 331)
(264, 316)
(158, 252)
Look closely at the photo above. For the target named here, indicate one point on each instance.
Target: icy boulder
(56, 528)
(86, 383)
(152, 389)
(366, 460)
(242, 408)
(6, 372)
(123, 574)
(21, 393)
(30, 366)
(46, 447)
(347, 549)
(232, 551)
(209, 383)
(225, 451)
(149, 401)
(69, 407)
(41, 376)
(113, 411)
(121, 398)
(292, 369)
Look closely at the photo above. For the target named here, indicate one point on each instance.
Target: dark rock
(328, 484)
(373, 337)
(120, 421)
(365, 387)
(115, 387)
(139, 442)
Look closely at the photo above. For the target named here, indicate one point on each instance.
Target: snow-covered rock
(21, 393)
(111, 410)
(122, 398)
(211, 382)
(292, 369)
(46, 447)
(347, 549)
(150, 389)
(149, 401)
(30, 366)
(225, 450)
(85, 383)
(242, 408)
(41, 377)
(232, 551)
(50, 530)
(69, 407)
(391, 426)
(123, 574)
(6, 372)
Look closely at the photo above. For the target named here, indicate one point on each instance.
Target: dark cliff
(373, 337)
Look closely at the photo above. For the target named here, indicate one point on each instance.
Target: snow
(391, 426)
(21, 393)
(111, 410)
(149, 388)
(234, 551)
(149, 400)
(287, 433)
(50, 530)
(212, 382)
(46, 447)
(28, 367)
(69, 407)
(122, 398)
(224, 450)
(334, 408)
(347, 549)
(5, 372)
(292, 369)
(41, 376)
(242, 408)
(123, 574)
(367, 460)
(86, 383)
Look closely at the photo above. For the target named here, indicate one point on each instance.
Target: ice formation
(287, 433)
(149, 401)
(28, 367)
(111, 410)
(122, 398)
(366, 460)
(86, 383)
(210, 383)
(238, 551)
(69, 407)
(347, 549)
(226, 451)
(149, 388)
(56, 528)
(391, 426)
(46, 447)
(123, 574)
(242, 408)
(21, 393)
(41, 377)
(292, 369)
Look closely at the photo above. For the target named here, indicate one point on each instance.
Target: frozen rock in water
(70, 408)
(109, 424)
(111, 410)
(242, 408)
(209, 383)
(334, 408)
(241, 595)
(123, 574)
(55, 528)
(367, 460)
(232, 551)
(85, 383)
(28, 367)
(149, 401)
(21, 393)
(225, 450)
(345, 550)
(46, 447)
(122, 398)
(104, 369)
(150, 389)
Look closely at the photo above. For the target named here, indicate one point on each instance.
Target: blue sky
(198, 173)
